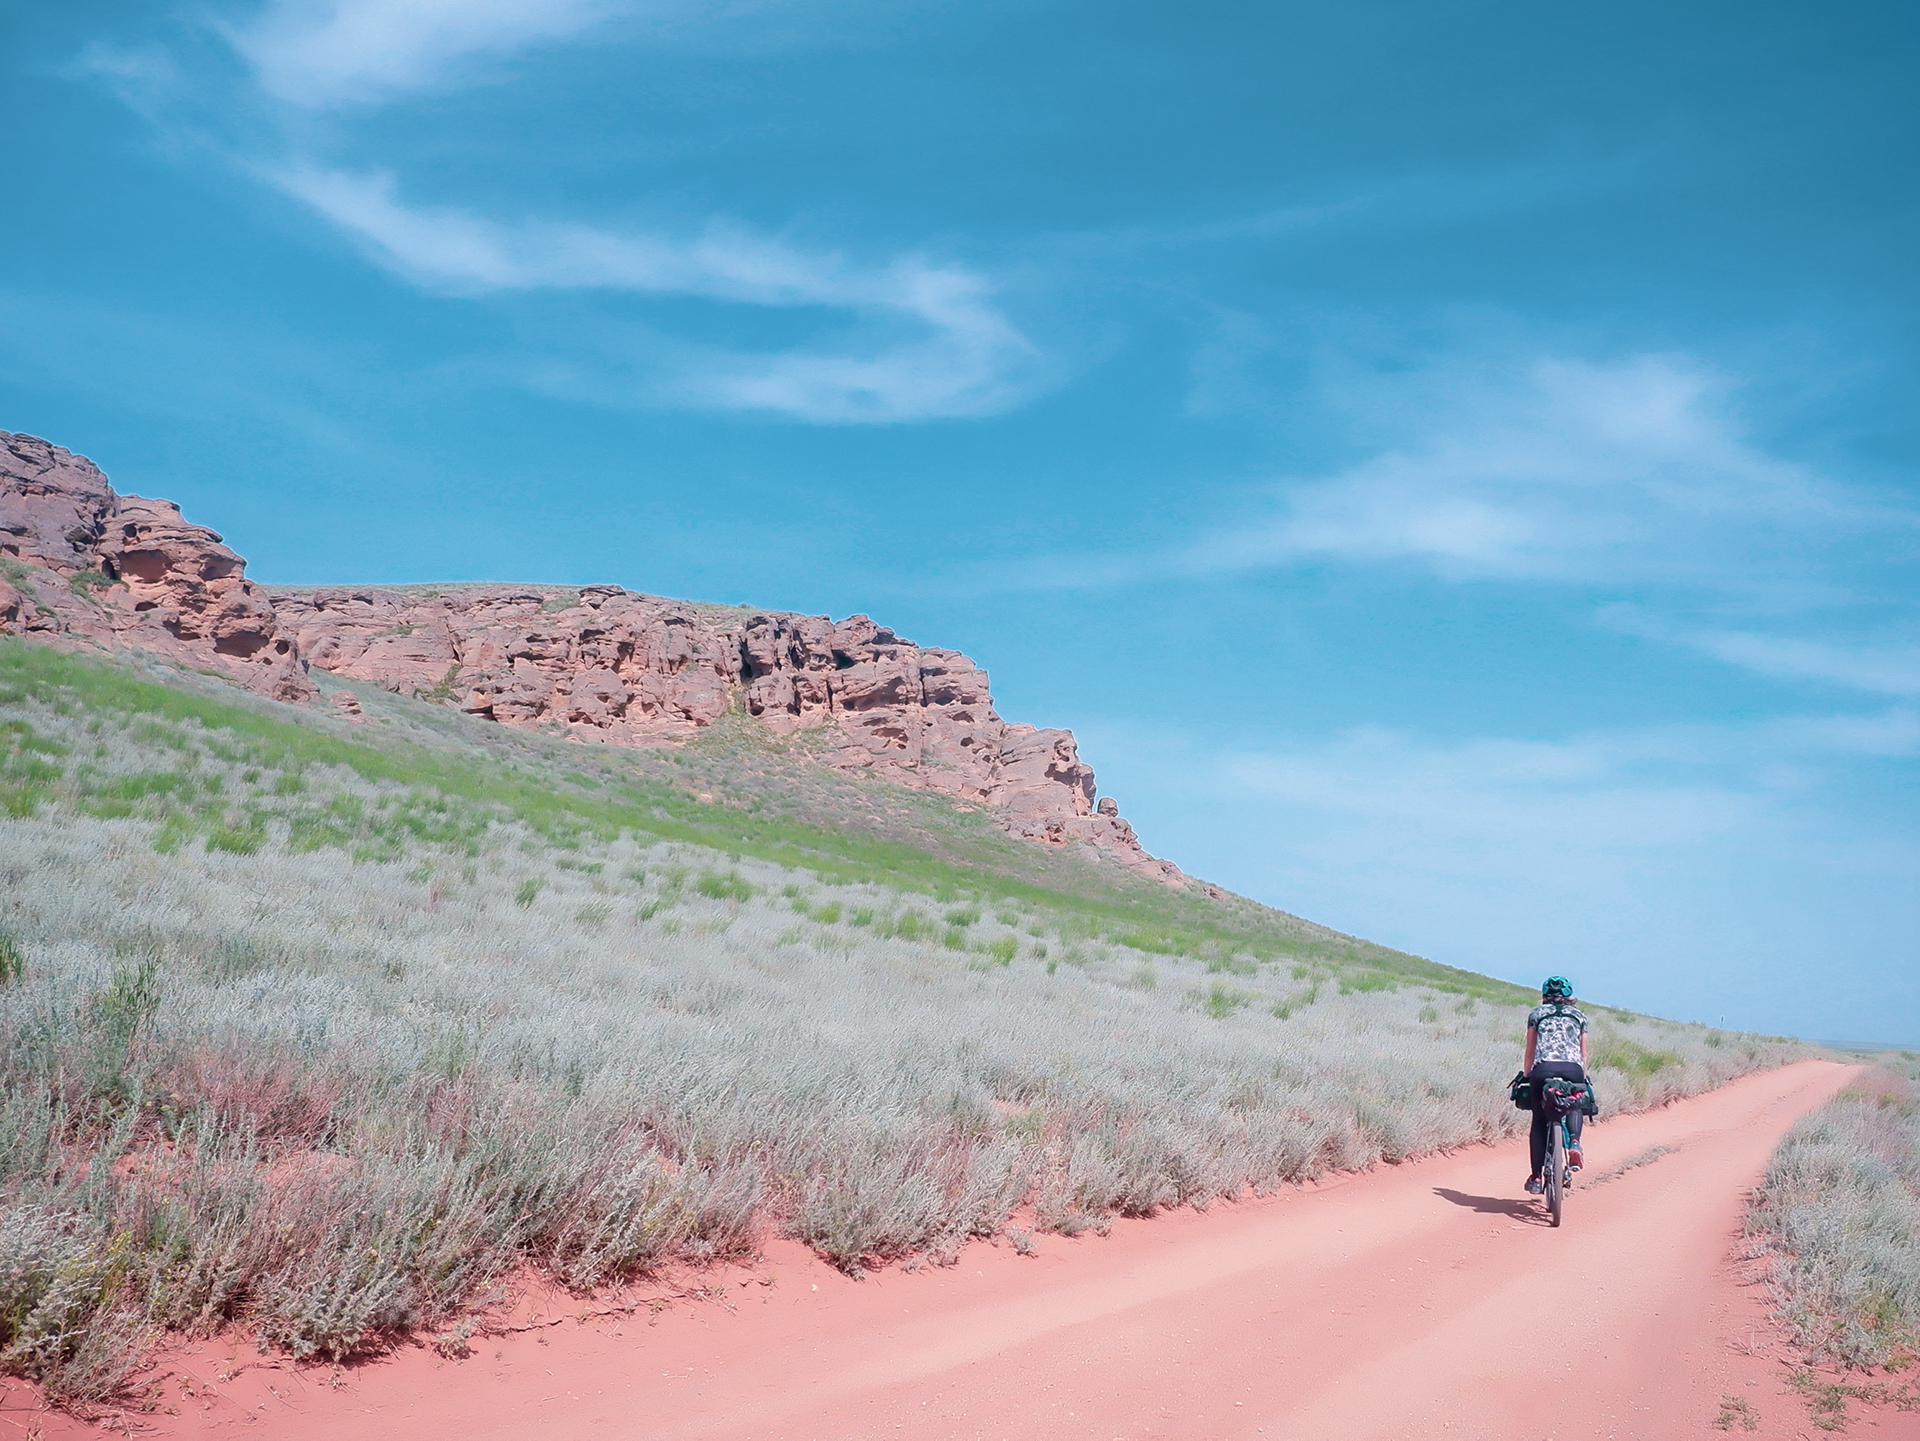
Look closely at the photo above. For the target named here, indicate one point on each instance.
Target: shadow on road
(1494, 1205)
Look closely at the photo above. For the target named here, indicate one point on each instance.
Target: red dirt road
(1424, 1300)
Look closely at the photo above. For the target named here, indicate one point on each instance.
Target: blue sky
(1453, 465)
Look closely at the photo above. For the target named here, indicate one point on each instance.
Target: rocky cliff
(600, 663)
(609, 665)
(78, 561)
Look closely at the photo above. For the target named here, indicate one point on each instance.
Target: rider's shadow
(1528, 1211)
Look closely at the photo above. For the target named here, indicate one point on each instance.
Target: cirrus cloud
(927, 340)
(329, 52)
(893, 338)
(1554, 469)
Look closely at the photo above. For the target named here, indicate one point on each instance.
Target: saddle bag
(1562, 1097)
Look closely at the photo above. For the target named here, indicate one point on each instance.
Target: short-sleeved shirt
(1557, 1029)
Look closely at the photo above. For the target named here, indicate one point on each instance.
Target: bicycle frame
(1559, 1141)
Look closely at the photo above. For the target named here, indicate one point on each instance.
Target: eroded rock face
(608, 665)
(84, 564)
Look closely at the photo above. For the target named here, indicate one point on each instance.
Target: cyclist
(1556, 1046)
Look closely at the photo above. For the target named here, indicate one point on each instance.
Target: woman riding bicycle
(1556, 1046)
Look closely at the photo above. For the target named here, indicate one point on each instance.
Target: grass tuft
(730, 886)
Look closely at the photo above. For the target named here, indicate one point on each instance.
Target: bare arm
(1583, 1050)
(1526, 1063)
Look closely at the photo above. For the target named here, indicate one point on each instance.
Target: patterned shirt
(1557, 1028)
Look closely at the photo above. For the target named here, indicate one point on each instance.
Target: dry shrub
(58, 1321)
(889, 1192)
(1840, 1208)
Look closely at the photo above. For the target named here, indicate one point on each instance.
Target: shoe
(1573, 1159)
(1535, 1185)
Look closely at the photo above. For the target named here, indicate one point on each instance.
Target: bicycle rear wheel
(1556, 1170)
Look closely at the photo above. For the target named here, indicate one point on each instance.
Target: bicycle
(1558, 1100)
(1562, 1100)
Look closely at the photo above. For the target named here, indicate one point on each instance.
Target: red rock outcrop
(79, 563)
(605, 664)
(82, 565)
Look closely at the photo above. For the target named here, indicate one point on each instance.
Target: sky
(1452, 465)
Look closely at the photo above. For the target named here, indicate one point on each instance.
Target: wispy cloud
(1630, 473)
(1878, 666)
(1636, 858)
(1552, 469)
(896, 337)
(1884, 669)
(329, 52)
(958, 355)
(321, 55)
(1483, 804)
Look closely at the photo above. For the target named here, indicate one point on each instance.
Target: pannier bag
(1563, 1097)
(1521, 1091)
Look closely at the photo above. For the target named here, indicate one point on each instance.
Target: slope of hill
(324, 1026)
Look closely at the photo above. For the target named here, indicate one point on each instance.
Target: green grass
(727, 886)
(86, 582)
(1632, 1059)
(1367, 981)
(1221, 1000)
(236, 840)
(1003, 949)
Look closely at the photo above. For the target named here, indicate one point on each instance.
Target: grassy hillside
(734, 789)
(321, 1028)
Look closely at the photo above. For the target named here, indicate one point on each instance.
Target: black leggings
(1566, 1070)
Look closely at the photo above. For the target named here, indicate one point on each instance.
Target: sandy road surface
(1425, 1300)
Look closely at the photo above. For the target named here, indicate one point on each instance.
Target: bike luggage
(1520, 1090)
(1562, 1097)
